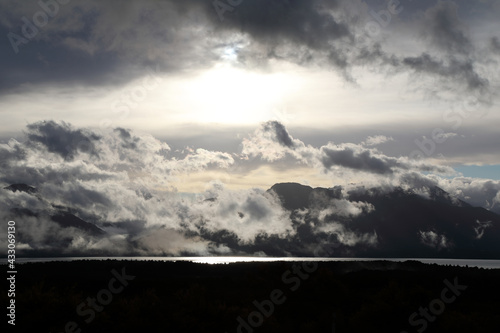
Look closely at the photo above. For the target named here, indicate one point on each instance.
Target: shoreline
(482, 263)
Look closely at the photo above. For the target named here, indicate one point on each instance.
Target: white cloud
(434, 240)
(273, 142)
(125, 183)
(481, 227)
(376, 140)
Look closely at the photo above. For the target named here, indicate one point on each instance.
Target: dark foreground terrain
(139, 296)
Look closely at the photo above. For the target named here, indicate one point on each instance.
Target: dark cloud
(339, 39)
(495, 44)
(358, 160)
(60, 138)
(110, 43)
(95, 43)
(300, 22)
(446, 30)
(476, 141)
(273, 142)
(47, 61)
(280, 132)
(460, 70)
(128, 141)
(124, 134)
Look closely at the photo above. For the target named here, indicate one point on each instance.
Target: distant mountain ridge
(60, 214)
(406, 223)
(21, 188)
(359, 222)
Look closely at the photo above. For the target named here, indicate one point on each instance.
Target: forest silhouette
(377, 296)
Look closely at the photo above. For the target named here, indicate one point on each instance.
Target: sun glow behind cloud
(229, 95)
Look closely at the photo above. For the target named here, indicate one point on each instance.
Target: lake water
(483, 263)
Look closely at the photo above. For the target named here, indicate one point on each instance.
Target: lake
(483, 263)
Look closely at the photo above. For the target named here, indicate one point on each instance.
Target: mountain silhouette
(22, 188)
(60, 214)
(379, 222)
(406, 222)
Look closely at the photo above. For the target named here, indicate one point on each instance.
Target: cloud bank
(86, 183)
(113, 42)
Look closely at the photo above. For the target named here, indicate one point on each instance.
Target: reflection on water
(226, 260)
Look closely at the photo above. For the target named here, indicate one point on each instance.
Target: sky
(102, 99)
